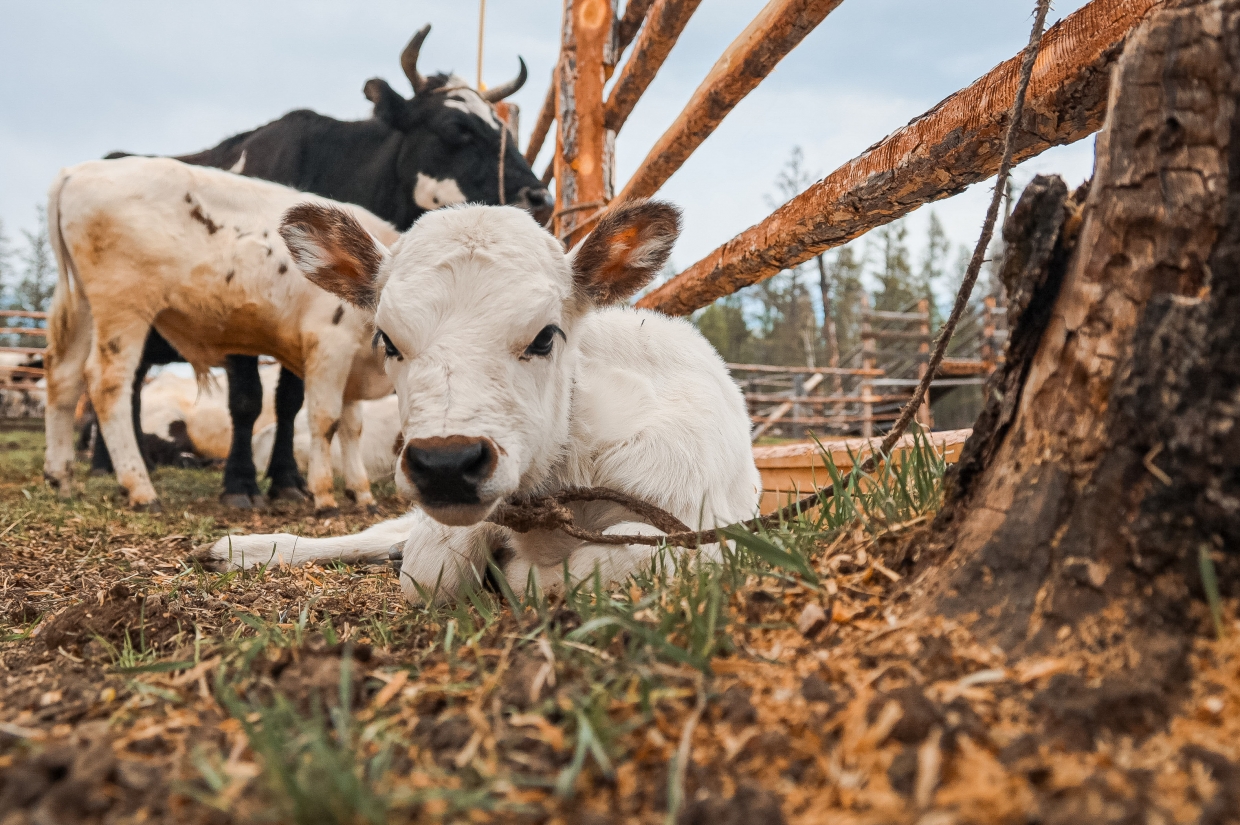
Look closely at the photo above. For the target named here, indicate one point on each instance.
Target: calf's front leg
(324, 407)
(356, 481)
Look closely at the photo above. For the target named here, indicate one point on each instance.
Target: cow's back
(196, 251)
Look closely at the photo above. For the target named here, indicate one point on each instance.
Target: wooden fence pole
(666, 20)
(988, 333)
(777, 29)
(869, 360)
(585, 148)
(924, 416)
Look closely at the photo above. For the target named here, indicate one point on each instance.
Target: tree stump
(1107, 458)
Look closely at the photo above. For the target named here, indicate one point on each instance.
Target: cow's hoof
(237, 501)
(288, 494)
(326, 512)
(152, 506)
(396, 556)
(372, 509)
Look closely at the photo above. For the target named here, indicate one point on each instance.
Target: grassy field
(795, 682)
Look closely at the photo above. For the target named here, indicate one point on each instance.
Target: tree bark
(1108, 455)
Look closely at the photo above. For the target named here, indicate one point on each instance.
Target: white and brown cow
(196, 253)
(513, 378)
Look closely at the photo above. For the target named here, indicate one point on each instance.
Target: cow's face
(452, 142)
(478, 311)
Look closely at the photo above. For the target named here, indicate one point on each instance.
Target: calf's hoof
(152, 506)
(326, 512)
(287, 494)
(372, 509)
(396, 556)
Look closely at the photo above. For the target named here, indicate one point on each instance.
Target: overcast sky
(80, 79)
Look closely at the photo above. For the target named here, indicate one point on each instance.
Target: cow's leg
(155, 350)
(356, 481)
(372, 544)
(65, 362)
(109, 372)
(324, 406)
(286, 480)
(245, 404)
(100, 458)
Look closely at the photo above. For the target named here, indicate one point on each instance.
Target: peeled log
(1108, 454)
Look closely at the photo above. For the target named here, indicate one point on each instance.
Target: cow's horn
(497, 93)
(409, 60)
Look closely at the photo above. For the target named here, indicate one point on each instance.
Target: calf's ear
(333, 250)
(626, 250)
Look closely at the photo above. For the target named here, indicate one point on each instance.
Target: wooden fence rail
(955, 144)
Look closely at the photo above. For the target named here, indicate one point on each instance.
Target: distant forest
(810, 315)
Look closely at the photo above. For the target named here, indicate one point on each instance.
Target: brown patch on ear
(333, 250)
(626, 250)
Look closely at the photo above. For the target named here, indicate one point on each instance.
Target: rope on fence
(551, 512)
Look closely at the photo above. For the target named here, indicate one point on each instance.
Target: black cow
(443, 146)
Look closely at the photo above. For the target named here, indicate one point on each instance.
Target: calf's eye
(389, 349)
(543, 341)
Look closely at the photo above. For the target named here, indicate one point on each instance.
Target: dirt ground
(804, 689)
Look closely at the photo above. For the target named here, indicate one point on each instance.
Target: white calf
(511, 380)
(195, 252)
(381, 442)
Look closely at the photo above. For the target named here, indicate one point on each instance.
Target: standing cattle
(195, 253)
(513, 380)
(444, 146)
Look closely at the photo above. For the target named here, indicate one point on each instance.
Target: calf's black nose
(448, 470)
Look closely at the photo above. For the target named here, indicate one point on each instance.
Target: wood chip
(813, 620)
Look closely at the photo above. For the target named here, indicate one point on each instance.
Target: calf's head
(478, 310)
(452, 141)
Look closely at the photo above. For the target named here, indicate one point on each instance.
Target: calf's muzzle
(448, 470)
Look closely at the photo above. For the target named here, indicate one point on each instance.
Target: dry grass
(134, 687)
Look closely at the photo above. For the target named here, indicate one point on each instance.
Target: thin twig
(983, 243)
(549, 512)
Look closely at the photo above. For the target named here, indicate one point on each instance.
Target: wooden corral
(20, 376)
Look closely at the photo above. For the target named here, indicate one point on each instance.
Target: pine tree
(897, 290)
(38, 281)
(723, 324)
(934, 265)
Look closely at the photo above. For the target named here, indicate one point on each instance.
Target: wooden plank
(542, 126)
(777, 30)
(888, 315)
(819, 400)
(955, 144)
(791, 469)
(664, 23)
(24, 350)
(784, 408)
(956, 367)
(803, 370)
(21, 313)
(22, 331)
(584, 148)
